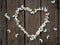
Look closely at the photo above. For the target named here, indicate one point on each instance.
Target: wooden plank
(2, 29)
(2, 23)
(59, 21)
(52, 8)
(32, 21)
(12, 5)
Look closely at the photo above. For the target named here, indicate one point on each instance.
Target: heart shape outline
(33, 36)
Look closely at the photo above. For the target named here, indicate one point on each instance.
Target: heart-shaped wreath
(40, 29)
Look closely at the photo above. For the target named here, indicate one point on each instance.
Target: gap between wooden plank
(59, 21)
(3, 22)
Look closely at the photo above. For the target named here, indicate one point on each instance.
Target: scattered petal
(41, 40)
(16, 35)
(53, 1)
(47, 36)
(7, 16)
(55, 28)
(8, 30)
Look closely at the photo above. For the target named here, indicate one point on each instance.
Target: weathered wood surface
(12, 5)
(2, 22)
(30, 22)
(59, 21)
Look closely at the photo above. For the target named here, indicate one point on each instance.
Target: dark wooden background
(30, 22)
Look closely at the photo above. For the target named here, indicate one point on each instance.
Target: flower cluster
(31, 10)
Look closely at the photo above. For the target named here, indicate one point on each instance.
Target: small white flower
(38, 32)
(46, 20)
(32, 37)
(23, 29)
(47, 37)
(45, 30)
(32, 12)
(35, 10)
(53, 1)
(39, 9)
(19, 26)
(16, 35)
(55, 28)
(47, 14)
(16, 19)
(45, 9)
(28, 9)
(28, 35)
(13, 16)
(17, 12)
(17, 23)
(7, 16)
(43, 24)
(40, 29)
(41, 40)
(25, 32)
(20, 9)
(8, 30)
(23, 7)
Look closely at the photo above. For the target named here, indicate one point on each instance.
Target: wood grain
(2, 22)
(59, 21)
